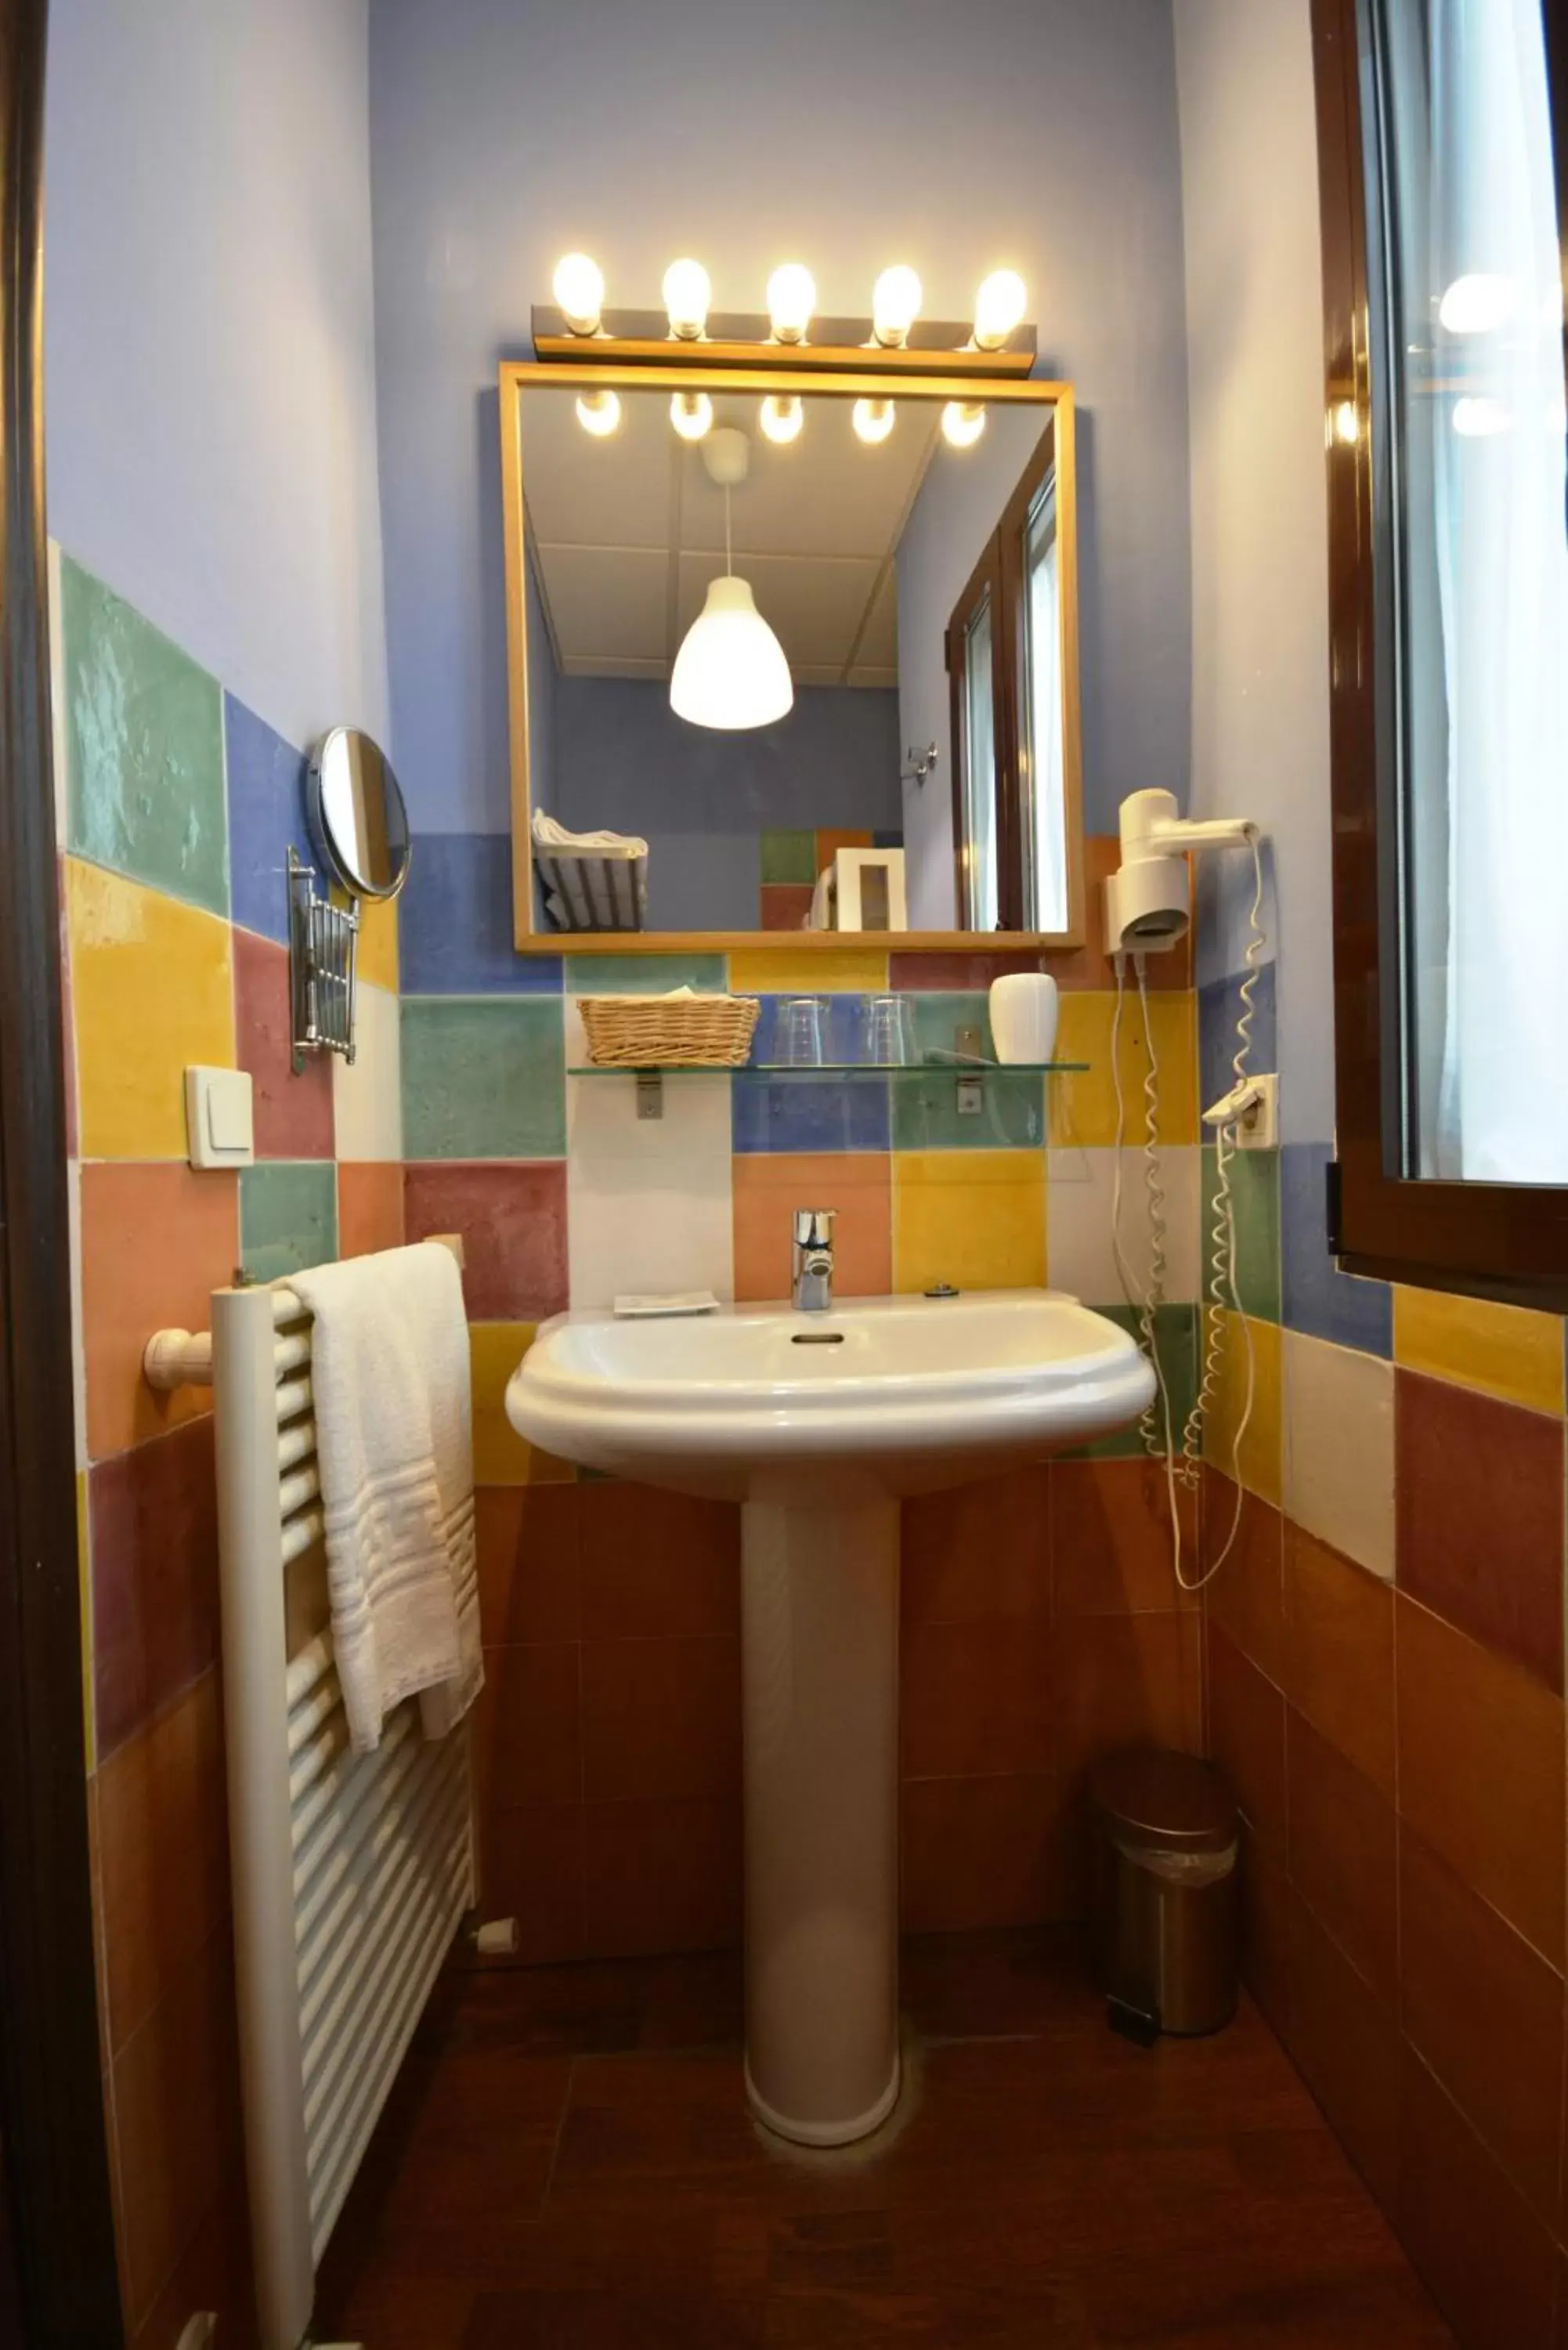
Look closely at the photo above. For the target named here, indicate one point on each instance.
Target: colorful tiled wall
(1042, 1621)
(177, 806)
(1386, 1686)
(789, 864)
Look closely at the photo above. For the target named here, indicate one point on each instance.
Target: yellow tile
(779, 970)
(501, 1456)
(1261, 1462)
(377, 941)
(84, 1600)
(152, 991)
(974, 1218)
(1503, 1350)
(1083, 1109)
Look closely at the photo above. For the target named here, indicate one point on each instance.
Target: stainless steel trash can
(1164, 1893)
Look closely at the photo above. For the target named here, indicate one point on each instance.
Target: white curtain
(1501, 1111)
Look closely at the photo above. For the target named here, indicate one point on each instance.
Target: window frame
(1507, 1241)
(1002, 573)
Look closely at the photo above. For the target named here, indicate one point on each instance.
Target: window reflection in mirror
(853, 550)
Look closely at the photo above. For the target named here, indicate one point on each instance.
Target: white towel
(548, 833)
(394, 1445)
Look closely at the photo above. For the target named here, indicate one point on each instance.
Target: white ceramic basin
(886, 1395)
(817, 1423)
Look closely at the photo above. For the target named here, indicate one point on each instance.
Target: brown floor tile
(978, 1552)
(662, 1876)
(1339, 1653)
(1485, 2011)
(1480, 1518)
(1247, 1596)
(1480, 1772)
(1489, 2265)
(1112, 1551)
(975, 1699)
(658, 1564)
(1247, 1738)
(1343, 1853)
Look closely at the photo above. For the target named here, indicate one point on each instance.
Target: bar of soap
(678, 1301)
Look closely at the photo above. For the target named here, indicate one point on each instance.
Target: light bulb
(578, 287)
(873, 420)
(781, 417)
(895, 305)
(687, 295)
(791, 298)
(1347, 424)
(1477, 418)
(1479, 303)
(998, 308)
(964, 421)
(691, 414)
(598, 412)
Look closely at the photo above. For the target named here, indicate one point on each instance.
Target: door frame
(51, 2109)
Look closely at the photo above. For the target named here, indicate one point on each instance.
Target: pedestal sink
(817, 1424)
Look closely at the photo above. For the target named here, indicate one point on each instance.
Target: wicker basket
(652, 1032)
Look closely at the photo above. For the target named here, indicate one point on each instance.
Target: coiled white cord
(1185, 1466)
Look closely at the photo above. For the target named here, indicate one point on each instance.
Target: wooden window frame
(1508, 1241)
(1002, 573)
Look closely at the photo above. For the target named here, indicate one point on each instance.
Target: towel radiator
(351, 1874)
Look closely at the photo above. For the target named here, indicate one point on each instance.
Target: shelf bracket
(650, 1094)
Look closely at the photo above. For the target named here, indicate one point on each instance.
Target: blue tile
(266, 814)
(454, 921)
(809, 1113)
(843, 1028)
(1218, 1009)
(1316, 1296)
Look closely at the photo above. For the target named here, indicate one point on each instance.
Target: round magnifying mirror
(357, 815)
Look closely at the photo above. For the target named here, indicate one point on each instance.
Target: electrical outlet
(1258, 1129)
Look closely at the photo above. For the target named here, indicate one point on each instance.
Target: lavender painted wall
(1039, 132)
(210, 341)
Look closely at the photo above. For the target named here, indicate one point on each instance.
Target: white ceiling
(629, 530)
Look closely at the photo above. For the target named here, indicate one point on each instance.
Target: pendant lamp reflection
(731, 673)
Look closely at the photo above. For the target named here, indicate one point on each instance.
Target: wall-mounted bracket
(323, 939)
(650, 1094)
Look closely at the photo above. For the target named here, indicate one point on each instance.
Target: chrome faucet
(811, 1288)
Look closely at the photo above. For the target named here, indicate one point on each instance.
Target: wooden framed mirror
(875, 517)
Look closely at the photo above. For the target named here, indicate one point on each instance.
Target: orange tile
(531, 1869)
(982, 1852)
(163, 1853)
(526, 1542)
(1343, 1853)
(768, 1185)
(1339, 1653)
(975, 1553)
(1125, 1680)
(1346, 2039)
(661, 1718)
(1247, 1594)
(829, 845)
(1113, 1552)
(658, 1564)
(370, 1206)
(975, 1699)
(1268, 1924)
(1486, 2012)
(1480, 1772)
(1247, 1738)
(157, 1239)
(176, 2105)
(528, 1740)
(662, 1876)
(1489, 2263)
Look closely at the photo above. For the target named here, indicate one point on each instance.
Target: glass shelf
(769, 1069)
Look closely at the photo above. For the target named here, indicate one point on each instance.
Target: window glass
(980, 774)
(1045, 824)
(1470, 453)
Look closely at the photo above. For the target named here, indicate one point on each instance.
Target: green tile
(288, 1215)
(145, 747)
(1175, 1335)
(645, 974)
(789, 856)
(483, 1077)
(926, 1116)
(1255, 1194)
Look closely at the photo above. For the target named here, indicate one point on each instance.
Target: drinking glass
(800, 1033)
(889, 1032)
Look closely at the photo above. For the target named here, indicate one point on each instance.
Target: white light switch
(218, 1128)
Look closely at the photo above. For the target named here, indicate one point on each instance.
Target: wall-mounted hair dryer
(1148, 902)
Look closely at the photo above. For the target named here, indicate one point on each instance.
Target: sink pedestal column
(820, 1641)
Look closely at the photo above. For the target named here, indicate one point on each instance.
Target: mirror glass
(745, 638)
(358, 814)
